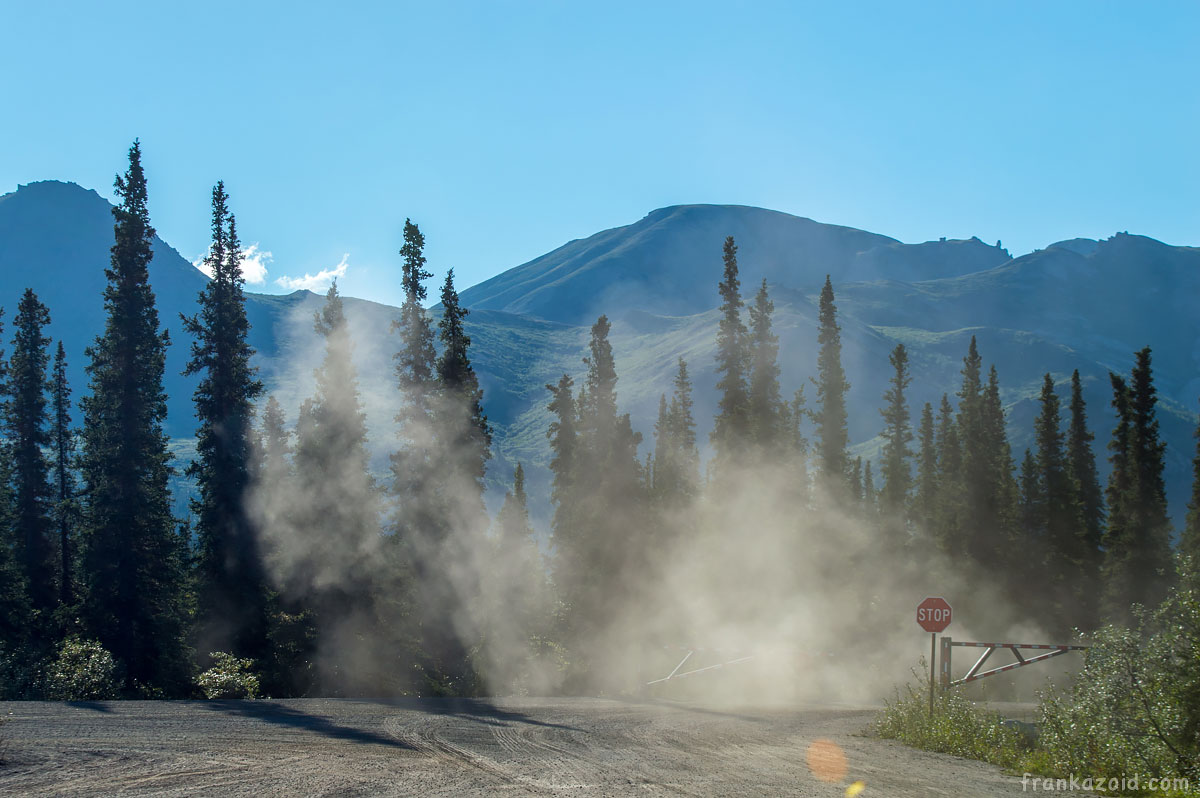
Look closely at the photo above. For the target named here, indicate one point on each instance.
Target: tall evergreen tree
(132, 559)
(465, 432)
(513, 518)
(980, 542)
(1189, 541)
(606, 553)
(1153, 569)
(797, 446)
(1119, 533)
(1032, 523)
(274, 440)
(414, 464)
(925, 500)
(28, 434)
(870, 502)
(832, 436)
(62, 446)
(336, 508)
(1137, 560)
(765, 405)
(1060, 513)
(462, 446)
(897, 434)
(947, 526)
(14, 595)
(676, 475)
(563, 433)
(731, 428)
(1081, 464)
(233, 590)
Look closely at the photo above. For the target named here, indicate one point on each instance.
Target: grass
(957, 726)
(961, 727)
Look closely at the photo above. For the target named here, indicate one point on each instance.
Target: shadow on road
(476, 709)
(650, 701)
(270, 712)
(94, 706)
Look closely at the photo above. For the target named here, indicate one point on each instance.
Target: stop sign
(933, 614)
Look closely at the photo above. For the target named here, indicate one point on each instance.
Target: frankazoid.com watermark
(1031, 783)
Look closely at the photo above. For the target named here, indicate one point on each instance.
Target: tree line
(323, 579)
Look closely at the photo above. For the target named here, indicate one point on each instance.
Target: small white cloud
(318, 281)
(254, 264)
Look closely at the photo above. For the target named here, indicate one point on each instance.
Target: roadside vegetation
(1132, 711)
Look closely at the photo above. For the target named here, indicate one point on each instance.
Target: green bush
(1135, 706)
(82, 671)
(957, 726)
(229, 677)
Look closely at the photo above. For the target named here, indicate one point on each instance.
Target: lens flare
(827, 761)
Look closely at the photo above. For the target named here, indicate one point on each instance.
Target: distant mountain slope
(664, 263)
(1077, 304)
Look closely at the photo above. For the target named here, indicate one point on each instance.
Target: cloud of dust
(800, 589)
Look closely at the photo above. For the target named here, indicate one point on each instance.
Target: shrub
(1135, 706)
(957, 726)
(82, 671)
(229, 677)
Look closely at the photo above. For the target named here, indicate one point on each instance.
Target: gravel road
(456, 747)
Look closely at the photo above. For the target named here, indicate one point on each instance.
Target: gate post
(945, 669)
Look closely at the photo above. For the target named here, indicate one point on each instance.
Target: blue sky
(506, 129)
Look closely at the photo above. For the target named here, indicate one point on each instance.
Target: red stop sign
(933, 614)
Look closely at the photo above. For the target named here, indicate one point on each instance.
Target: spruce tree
(765, 405)
(14, 594)
(832, 437)
(870, 500)
(660, 463)
(1061, 518)
(948, 519)
(1189, 541)
(132, 561)
(609, 552)
(62, 443)
(513, 518)
(1137, 559)
(897, 434)
(274, 440)
(418, 519)
(336, 508)
(797, 448)
(466, 436)
(731, 428)
(462, 439)
(1081, 464)
(232, 589)
(979, 541)
(1119, 533)
(675, 477)
(28, 434)
(1152, 570)
(856, 481)
(1032, 523)
(563, 434)
(925, 499)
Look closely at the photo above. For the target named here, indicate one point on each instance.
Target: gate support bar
(973, 674)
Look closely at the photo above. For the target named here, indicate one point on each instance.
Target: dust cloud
(795, 592)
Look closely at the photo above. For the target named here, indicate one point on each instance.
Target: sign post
(933, 614)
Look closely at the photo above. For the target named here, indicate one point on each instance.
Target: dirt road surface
(456, 747)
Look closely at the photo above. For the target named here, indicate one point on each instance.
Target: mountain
(662, 264)
(1076, 304)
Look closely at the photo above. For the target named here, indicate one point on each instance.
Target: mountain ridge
(1049, 310)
